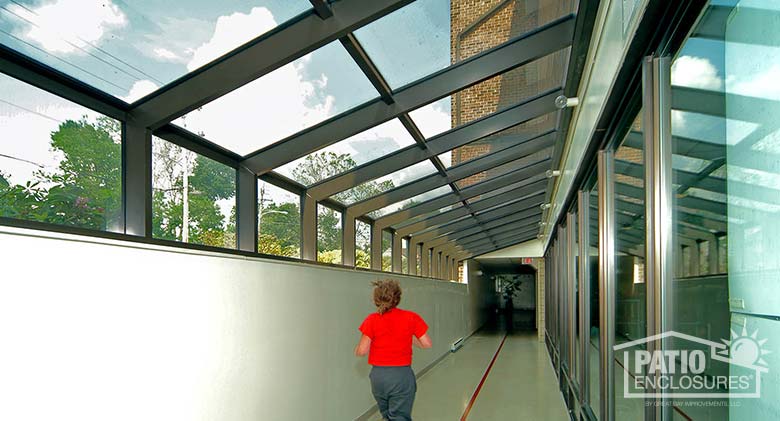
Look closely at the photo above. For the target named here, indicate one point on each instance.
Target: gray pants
(394, 389)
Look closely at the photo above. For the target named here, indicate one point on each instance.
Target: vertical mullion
(571, 307)
(583, 225)
(246, 210)
(607, 283)
(308, 227)
(658, 201)
(137, 179)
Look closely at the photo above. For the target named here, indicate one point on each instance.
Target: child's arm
(423, 341)
(363, 346)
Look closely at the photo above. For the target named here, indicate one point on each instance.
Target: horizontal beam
(514, 53)
(264, 54)
(479, 232)
(470, 226)
(534, 189)
(35, 73)
(475, 166)
(499, 211)
(452, 139)
(486, 187)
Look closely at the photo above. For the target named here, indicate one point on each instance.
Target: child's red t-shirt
(391, 336)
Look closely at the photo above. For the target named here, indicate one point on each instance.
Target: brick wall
(513, 19)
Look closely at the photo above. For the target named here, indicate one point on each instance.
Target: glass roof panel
(502, 140)
(492, 95)
(129, 49)
(369, 145)
(430, 215)
(380, 185)
(411, 201)
(429, 35)
(505, 168)
(505, 189)
(283, 102)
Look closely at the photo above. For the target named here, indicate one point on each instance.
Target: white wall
(95, 329)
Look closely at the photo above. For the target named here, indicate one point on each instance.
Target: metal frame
(268, 52)
(656, 77)
(326, 23)
(606, 284)
(514, 53)
(571, 274)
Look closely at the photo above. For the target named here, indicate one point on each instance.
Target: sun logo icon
(746, 350)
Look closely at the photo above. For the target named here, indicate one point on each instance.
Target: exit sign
(527, 260)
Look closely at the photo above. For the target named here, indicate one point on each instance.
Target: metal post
(348, 238)
(659, 267)
(397, 253)
(571, 297)
(425, 261)
(412, 259)
(137, 169)
(376, 247)
(607, 283)
(583, 212)
(246, 210)
(308, 227)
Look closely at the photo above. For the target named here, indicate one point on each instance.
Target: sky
(130, 48)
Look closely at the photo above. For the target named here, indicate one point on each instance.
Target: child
(387, 338)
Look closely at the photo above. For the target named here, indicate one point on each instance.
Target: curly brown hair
(387, 295)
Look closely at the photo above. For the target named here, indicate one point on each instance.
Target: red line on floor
(482, 382)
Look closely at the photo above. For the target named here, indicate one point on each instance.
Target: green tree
(320, 166)
(207, 182)
(84, 190)
(282, 222)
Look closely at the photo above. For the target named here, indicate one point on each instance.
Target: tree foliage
(84, 190)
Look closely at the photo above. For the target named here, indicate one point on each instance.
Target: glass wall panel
(405, 255)
(279, 217)
(630, 291)
(329, 235)
(293, 97)
(387, 251)
(131, 48)
(418, 263)
(60, 163)
(726, 285)
(193, 197)
(362, 245)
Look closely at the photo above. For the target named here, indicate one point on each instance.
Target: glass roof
(480, 100)
(375, 187)
(363, 147)
(504, 168)
(289, 99)
(429, 35)
(411, 201)
(131, 48)
(502, 140)
(505, 189)
(430, 215)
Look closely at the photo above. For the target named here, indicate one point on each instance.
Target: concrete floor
(520, 385)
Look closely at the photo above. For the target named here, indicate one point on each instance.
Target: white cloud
(230, 32)
(140, 89)
(695, 72)
(263, 111)
(64, 26)
(167, 55)
(761, 85)
(433, 118)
